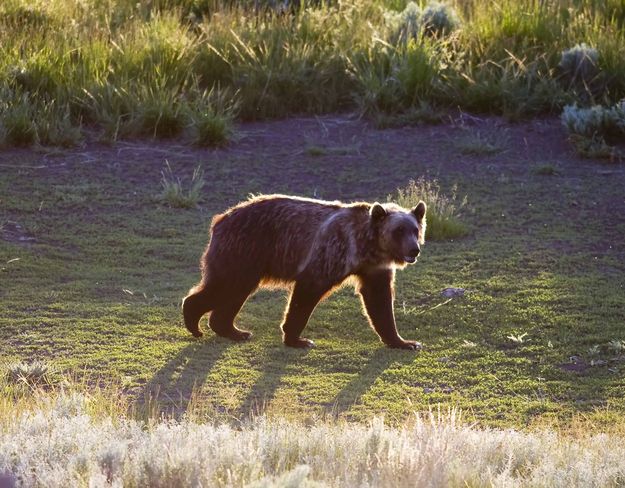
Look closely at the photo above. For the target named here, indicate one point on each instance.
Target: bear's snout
(414, 252)
(411, 254)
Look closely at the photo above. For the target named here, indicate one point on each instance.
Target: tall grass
(64, 438)
(135, 68)
(443, 210)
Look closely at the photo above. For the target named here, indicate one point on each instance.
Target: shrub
(439, 19)
(443, 211)
(579, 62)
(435, 19)
(65, 439)
(588, 122)
(404, 25)
(579, 69)
(590, 128)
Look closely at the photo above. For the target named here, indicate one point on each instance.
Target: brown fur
(317, 245)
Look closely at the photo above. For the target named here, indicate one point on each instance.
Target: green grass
(173, 191)
(131, 69)
(97, 294)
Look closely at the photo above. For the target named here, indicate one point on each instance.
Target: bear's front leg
(376, 290)
(304, 298)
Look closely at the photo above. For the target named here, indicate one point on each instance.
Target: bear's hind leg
(222, 317)
(197, 303)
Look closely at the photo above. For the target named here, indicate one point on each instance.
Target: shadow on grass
(377, 364)
(172, 387)
(275, 364)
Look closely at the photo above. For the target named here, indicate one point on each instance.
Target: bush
(439, 19)
(591, 128)
(443, 211)
(579, 69)
(435, 19)
(589, 122)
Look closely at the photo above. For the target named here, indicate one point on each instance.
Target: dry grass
(444, 210)
(64, 439)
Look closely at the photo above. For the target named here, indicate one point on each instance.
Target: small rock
(427, 391)
(453, 292)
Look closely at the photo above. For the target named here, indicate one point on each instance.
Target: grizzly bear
(314, 246)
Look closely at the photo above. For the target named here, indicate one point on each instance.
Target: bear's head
(400, 231)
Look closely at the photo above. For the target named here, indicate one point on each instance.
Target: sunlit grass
(130, 68)
(70, 437)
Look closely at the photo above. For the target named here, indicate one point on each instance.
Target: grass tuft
(421, 115)
(173, 192)
(443, 211)
(212, 117)
(34, 374)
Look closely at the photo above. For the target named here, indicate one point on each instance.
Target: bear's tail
(194, 305)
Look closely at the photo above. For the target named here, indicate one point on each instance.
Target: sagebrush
(60, 440)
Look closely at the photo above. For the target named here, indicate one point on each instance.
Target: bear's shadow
(172, 387)
(352, 393)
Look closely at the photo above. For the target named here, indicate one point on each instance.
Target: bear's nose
(415, 251)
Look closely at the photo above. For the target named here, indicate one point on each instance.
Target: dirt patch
(330, 142)
(344, 157)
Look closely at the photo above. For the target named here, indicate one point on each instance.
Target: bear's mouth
(410, 259)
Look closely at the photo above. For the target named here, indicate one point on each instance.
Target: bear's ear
(419, 211)
(377, 211)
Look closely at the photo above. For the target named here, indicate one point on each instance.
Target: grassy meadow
(96, 255)
(125, 126)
